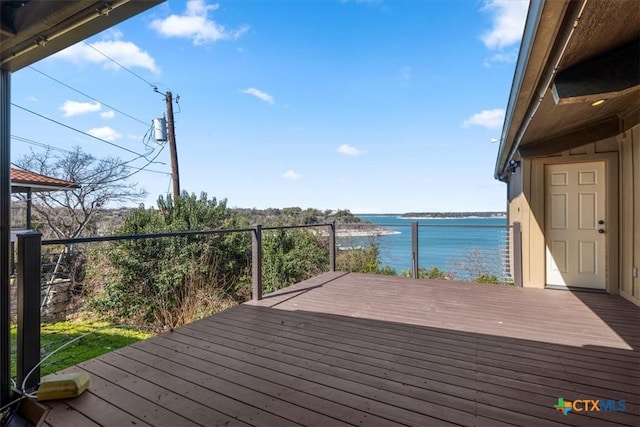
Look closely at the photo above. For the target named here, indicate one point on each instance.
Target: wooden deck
(352, 349)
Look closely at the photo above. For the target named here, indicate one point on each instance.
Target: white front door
(575, 224)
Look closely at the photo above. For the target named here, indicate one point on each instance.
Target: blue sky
(367, 105)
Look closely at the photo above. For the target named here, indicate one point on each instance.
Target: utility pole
(175, 174)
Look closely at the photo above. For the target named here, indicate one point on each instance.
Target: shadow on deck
(353, 349)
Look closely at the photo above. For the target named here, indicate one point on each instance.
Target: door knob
(601, 231)
(601, 222)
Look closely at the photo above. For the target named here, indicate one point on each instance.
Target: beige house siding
(521, 209)
(526, 205)
(629, 144)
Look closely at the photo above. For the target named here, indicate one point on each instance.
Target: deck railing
(29, 276)
(441, 249)
(31, 286)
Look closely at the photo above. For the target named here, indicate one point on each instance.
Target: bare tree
(74, 212)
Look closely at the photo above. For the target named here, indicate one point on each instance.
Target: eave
(34, 29)
(581, 51)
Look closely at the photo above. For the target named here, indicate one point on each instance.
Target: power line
(39, 144)
(147, 134)
(88, 96)
(148, 163)
(78, 130)
(115, 165)
(154, 86)
(62, 150)
(121, 66)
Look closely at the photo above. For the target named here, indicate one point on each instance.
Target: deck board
(443, 395)
(290, 346)
(454, 343)
(103, 412)
(353, 349)
(241, 393)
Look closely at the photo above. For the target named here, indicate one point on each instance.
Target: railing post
(414, 249)
(517, 254)
(5, 236)
(332, 246)
(29, 272)
(12, 258)
(256, 263)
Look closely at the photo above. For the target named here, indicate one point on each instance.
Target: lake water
(465, 246)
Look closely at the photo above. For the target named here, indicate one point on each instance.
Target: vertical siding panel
(626, 214)
(635, 222)
(537, 245)
(629, 212)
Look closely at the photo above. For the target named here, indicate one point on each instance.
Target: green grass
(104, 339)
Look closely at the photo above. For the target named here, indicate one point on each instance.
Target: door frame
(572, 234)
(612, 198)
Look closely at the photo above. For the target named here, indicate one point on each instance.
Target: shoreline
(370, 230)
(452, 217)
(377, 231)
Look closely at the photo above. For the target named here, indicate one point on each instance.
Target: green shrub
(362, 260)
(433, 273)
(487, 278)
(387, 271)
(291, 256)
(174, 280)
(359, 260)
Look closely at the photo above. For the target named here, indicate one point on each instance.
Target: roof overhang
(18, 188)
(572, 54)
(31, 30)
(23, 181)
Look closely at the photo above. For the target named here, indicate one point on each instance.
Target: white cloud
(126, 53)
(196, 25)
(508, 18)
(507, 57)
(106, 133)
(32, 98)
(405, 73)
(74, 108)
(490, 119)
(349, 150)
(107, 114)
(259, 94)
(291, 175)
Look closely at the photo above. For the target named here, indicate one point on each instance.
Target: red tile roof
(37, 182)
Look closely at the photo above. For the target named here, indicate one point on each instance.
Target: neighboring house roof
(572, 54)
(22, 180)
(31, 30)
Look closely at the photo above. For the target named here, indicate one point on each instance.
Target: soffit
(604, 26)
(533, 118)
(31, 30)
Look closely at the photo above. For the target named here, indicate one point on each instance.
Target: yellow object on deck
(63, 386)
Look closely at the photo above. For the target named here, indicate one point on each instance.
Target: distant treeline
(453, 214)
(294, 215)
(113, 218)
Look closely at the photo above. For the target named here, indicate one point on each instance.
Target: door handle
(601, 231)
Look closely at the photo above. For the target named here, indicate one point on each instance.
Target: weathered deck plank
(352, 349)
(210, 383)
(295, 341)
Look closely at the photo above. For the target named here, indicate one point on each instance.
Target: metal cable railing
(77, 289)
(443, 251)
(76, 293)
